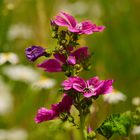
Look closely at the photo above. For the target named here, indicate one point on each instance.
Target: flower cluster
(71, 59)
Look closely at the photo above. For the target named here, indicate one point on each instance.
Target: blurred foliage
(116, 55)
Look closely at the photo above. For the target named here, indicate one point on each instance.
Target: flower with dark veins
(89, 88)
(85, 27)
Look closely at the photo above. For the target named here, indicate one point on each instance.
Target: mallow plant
(70, 58)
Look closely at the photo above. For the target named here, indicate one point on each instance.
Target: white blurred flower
(21, 73)
(19, 30)
(136, 101)
(75, 8)
(114, 97)
(13, 134)
(8, 57)
(136, 130)
(6, 99)
(44, 83)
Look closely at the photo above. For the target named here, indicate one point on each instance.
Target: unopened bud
(91, 135)
(77, 66)
(54, 35)
(63, 41)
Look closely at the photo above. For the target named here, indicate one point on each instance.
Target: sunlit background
(24, 88)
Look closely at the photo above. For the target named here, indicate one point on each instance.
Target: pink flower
(55, 65)
(85, 27)
(89, 88)
(45, 114)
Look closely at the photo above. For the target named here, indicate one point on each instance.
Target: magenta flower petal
(51, 65)
(87, 27)
(98, 28)
(44, 115)
(64, 105)
(81, 53)
(93, 81)
(34, 52)
(67, 103)
(105, 86)
(71, 60)
(89, 88)
(67, 84)
(60, 57)
(64, 19)
(76, 83)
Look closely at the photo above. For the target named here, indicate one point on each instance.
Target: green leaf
(116, 124)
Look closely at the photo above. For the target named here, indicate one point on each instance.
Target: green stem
(82, 124)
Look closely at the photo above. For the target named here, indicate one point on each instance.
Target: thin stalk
(82, 124)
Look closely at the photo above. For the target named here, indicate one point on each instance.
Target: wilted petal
(44, 115)
(51, 65)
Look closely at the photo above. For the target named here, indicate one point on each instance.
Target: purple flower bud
(34, 52)
(71, 60)
(89, 129)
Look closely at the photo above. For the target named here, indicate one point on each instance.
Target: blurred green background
(116, 55)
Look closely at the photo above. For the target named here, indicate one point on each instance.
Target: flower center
(79, 26)
(89, 88)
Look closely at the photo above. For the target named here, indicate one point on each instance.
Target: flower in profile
(114, 97)
(56, 65)
(85, 27)
(45, 114)
(34, 52)
(89, 88)
(8, 57)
